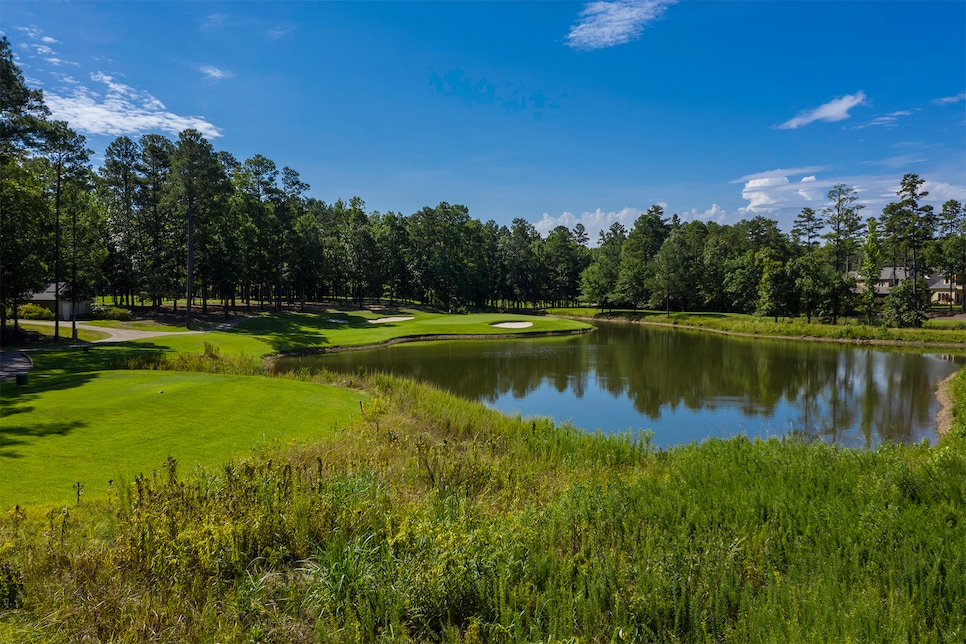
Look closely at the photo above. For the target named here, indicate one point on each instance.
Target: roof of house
(48, 294)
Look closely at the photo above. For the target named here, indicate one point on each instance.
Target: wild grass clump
(210, 361)
(436, 519)
(957, 391)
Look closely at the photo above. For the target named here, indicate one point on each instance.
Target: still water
(682, 385)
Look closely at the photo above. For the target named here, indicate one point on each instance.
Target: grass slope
(112, 425)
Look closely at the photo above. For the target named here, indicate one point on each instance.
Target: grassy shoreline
(752, 326)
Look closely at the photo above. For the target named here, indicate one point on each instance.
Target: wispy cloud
(213, 73)
(607, 24)
(121, 109)
(213, 21)
(40, 45)
(831, 112)
(279, 32)
(949, 100)
(888, 120)
(899, 161)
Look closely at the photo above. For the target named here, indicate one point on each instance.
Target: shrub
(105, 312)
(31, 311)
(903, 307)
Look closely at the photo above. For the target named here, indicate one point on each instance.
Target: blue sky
(556, 112)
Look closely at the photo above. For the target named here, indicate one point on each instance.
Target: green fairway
(294, 332)
(84, 335)
(81, 420)
(112, 425)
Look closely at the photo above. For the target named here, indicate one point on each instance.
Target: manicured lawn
(293, 332)
(111, 425)
(138, 325)
(83, 335)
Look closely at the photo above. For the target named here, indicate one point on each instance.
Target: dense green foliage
(435, 519)
(162, 219)
(31, 311)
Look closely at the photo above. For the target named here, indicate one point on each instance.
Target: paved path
(13, 363)
(116, 335)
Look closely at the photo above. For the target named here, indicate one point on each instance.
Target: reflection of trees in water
(880, 395)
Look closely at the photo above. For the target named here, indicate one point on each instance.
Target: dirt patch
(944, 419)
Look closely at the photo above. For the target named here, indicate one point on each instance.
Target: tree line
(163, 219)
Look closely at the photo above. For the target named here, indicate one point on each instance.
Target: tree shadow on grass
(69, 367)
(291, 332)
(11, 437)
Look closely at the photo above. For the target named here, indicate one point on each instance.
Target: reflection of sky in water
(597, 408)
(600, 410)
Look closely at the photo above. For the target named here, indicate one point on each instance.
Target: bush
(904, 308)
(31, 311)
(105, 312)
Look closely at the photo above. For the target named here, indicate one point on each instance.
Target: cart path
(14, 363)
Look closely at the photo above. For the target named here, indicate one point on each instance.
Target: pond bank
(426, 338)
(745, 334)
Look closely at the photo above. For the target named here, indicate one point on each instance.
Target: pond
(682, 385)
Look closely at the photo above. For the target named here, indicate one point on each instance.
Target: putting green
(112, 425)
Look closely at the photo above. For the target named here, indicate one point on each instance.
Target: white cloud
(594, 222)
(279, 32)
(763, 194)
(213, 73)
(606, 24)
(122, 109)
(949, 100)
(831, 112)
(940, 192)
(773, 191)
(49, 40)
(57, 62)
(780, 172)
(715, 213)
(31, 32)
(889, 120)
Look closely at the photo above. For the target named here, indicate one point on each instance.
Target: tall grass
(440, 520)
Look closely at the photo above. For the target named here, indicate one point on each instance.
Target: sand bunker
(338, 321)
(401, 318)
(512, 325)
